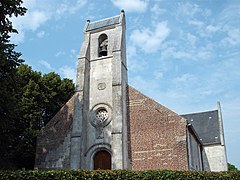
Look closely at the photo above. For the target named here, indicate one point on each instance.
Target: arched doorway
(102, 160)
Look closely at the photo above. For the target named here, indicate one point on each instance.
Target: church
(108, 124)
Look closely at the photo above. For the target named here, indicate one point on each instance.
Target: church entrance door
(102, 160)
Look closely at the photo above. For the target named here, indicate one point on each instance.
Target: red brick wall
(157, 135)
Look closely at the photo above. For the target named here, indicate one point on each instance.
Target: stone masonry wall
(158, 135)
(53, 144)
(214, 158)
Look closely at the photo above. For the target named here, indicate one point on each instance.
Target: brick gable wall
(53, 143)
(157, 135)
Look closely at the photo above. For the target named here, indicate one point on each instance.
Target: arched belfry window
(102, 160)
(102, 45)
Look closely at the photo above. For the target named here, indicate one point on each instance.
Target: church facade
(108, 124)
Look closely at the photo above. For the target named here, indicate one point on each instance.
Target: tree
(28, 99)
(9, 60)
(56, 93)
(40, 97)
(232, 168)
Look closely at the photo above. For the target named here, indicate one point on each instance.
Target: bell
(103, 51)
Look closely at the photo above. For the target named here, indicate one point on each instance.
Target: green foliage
(232, 168)
(117, 175)
(38, 98)
(9, 60)
(28, 99)
(55, 92)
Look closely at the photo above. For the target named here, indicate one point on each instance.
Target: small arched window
(102, 45)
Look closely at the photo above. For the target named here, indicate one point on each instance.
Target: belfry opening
(103, 45)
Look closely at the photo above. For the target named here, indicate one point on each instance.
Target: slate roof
(206, 124)
(103, 23)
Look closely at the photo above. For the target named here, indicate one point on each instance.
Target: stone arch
(93, 150)
(102, 45)
(102, 159)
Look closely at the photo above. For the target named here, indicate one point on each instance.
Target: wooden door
(102, 160)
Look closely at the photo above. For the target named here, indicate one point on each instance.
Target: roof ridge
(105, 19)
(201, 112)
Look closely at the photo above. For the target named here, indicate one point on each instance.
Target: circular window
(101, 115)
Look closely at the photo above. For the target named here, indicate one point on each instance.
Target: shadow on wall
(128, 127)
(53, 143)
(206, 166)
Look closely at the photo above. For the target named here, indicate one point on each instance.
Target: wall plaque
(101, 86)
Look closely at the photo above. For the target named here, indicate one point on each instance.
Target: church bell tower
(99, 137)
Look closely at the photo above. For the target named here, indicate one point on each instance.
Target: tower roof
(103, 23)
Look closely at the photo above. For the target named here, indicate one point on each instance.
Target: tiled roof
(206, 124)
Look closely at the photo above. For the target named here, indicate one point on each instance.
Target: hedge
(115, 174)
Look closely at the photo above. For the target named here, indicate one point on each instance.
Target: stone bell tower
(99, 138)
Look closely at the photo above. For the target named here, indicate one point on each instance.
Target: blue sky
(184, 54)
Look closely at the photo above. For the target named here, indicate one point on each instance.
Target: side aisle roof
(206, 124)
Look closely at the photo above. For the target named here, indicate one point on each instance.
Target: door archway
(102, 160)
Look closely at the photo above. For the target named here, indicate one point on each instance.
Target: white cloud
(135, 63)
(46, 65)
(67, 7)
(185, 78)
(233, 37)
(150, 41)
(212, 29)
(39, 12)
(30, 21)
(207, 12)
(197, 23)
(156, 10)
(188, 9)
(35, 19)
(73, 54)
(60, 53)
(195, 54)
(68, 72)
(158, 75)
(230, 14)
(131, 51)
(143, 85)
(191, 39)
(17, 38)
(132, 5)
(41, 34)
(65, 71)
(172, 52)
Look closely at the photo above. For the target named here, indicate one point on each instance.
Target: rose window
(101, 116)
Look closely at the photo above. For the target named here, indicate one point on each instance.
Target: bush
(115, 175)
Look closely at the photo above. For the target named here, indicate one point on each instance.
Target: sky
(185, 54)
